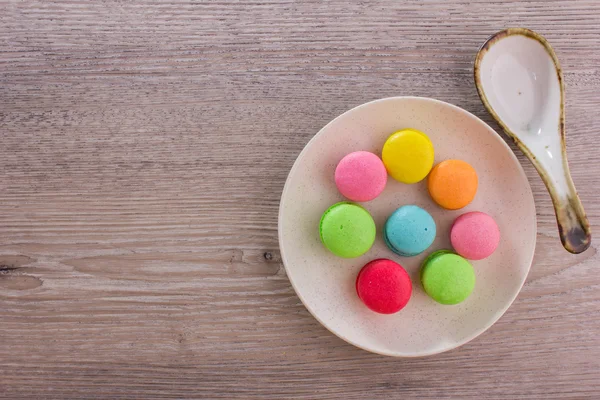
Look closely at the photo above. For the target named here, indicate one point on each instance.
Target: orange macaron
(452, 184)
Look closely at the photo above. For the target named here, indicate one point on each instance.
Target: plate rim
(296, 164)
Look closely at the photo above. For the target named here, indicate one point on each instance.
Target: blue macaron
(409, 231)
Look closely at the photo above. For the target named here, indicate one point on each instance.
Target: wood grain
(144, 146)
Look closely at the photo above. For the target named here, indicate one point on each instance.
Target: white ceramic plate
(325, 283)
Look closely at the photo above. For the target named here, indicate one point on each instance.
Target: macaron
(475, 235)
(447, 277)
(408, 155)
(409, 231)
(347, 230)
(452, 184)
(384, 286)
(360, 176)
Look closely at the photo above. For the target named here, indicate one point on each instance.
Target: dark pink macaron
(475, 235)
(384, 286)
(360, 176)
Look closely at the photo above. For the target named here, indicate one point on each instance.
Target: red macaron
(384, 286)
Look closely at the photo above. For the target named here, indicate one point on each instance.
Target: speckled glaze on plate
(326, 283)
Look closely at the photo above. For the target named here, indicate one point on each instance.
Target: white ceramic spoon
(520, 82)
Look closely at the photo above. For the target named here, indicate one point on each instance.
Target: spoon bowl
(520, 82)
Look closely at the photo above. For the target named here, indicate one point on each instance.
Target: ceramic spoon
(520, 82)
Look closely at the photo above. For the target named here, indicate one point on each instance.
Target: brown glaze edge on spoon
(573, 225)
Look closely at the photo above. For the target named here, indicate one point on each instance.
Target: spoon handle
(573, 225)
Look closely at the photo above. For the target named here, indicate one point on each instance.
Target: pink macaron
(475, 235)
(360, 176)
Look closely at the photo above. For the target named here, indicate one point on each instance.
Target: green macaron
(447, 277)
(347, 230)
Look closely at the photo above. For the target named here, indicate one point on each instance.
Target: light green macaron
(447, 277)
(347, 230)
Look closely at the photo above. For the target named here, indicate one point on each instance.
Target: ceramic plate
(325, 283)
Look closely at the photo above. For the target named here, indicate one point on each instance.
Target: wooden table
(144, 146)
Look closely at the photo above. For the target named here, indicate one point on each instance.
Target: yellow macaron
(408, 155)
